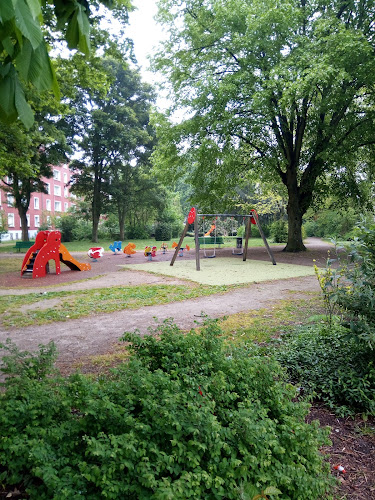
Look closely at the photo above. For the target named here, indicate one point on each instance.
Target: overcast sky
(145, 33)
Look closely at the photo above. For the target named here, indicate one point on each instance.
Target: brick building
(42, 206)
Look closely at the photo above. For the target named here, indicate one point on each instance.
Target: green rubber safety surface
(225, 270)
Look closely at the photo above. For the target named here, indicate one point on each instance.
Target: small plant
(331, 365)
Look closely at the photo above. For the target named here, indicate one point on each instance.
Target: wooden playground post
(247, 236)
(264, 239)
(180, 243)
(196, 236)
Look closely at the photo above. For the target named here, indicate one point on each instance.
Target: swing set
(209, 239)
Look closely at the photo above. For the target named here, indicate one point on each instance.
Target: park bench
(23, 244)
(211, 240)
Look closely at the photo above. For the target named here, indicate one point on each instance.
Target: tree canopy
(24, 58)
(285, 89)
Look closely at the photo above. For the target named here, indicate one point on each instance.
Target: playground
(88, 341)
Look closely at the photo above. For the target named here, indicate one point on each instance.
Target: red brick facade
(42, 206)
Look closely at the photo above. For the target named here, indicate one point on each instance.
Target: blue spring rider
(116, 247)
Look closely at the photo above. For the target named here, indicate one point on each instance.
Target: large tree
(285, 88)
(115, 139)
(27, 155)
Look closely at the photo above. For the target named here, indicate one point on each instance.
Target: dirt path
(96, 334)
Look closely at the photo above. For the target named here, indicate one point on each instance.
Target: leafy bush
(163, 231)
(331, 223)
(325, 361)
(67, 224)
(279, 231)
(82, 231)
(181, 420)
(139, 232)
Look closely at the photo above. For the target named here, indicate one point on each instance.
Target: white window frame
(48, 205)
(57, 204)
(10, 200)
(56, 175)
(10, 220)
(48, 188)
(36, 203)
(57, 190)
(66, 206)
(65, 177)
(36, 220)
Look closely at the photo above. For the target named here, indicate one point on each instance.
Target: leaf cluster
(181, 420)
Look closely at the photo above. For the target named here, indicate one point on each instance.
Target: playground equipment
(48, 247)
(193, 216)
(164, 247)
(116, 247)
(150, 252)
(181, 251)
(129, 250)
(95, 253)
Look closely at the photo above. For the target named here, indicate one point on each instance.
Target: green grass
(84, 245)
(10, 264)
(73, 305)
(262, 325)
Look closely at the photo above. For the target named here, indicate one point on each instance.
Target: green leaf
(271, 490)
(6, 10)
(28, 26)
(34, 6)
(23, 108)
(84, 30)
(8, 46)
(7, 92)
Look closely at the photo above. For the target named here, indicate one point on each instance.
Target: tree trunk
(121, 223)
(295, 242)
(25, 229)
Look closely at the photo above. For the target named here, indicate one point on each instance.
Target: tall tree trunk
(295, 213)
(121, 223)
(95, 226)
(96, 204)
(25, 230)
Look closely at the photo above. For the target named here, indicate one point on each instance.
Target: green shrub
(82, 231)
(163, 231)
(182, 419)
(279, 231)
(139, 232)
(328, 363)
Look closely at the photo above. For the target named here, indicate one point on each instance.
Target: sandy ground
(97, 334)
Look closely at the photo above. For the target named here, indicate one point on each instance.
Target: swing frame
(195, 217)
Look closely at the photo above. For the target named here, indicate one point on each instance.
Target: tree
(24, 55)
(285, 89)
(27, 155)
(115, 140)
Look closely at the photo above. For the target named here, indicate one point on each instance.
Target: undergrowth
(182, 419)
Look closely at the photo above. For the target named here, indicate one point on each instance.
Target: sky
(145, 33)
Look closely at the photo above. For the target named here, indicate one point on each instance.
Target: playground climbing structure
(48, 247)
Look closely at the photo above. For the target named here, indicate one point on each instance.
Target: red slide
(48, 247)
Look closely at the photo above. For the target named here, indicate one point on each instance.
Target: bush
(325, 361)
(163, 231)
(66, 225)
(181, 420)
(279, 231)
(82, 231)
(140, 232)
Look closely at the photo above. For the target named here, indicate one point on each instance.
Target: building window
(48, 220)
(48, 205)
(57, 190)
(56, 175)
(28, 220)
(36, 220)
(11, 220)
(57, 206)
(66, 206)
(10, 200)
(65, 177)
(36, 203)
(48, 188)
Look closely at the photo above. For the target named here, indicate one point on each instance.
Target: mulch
(316, 253)
(353, 448)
